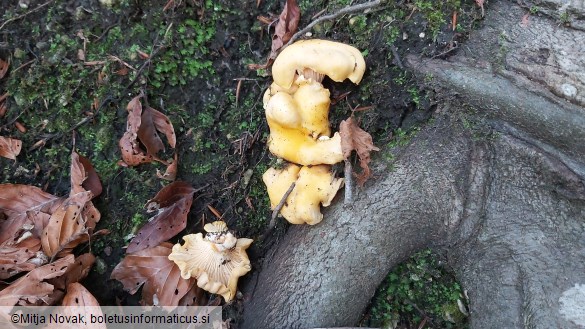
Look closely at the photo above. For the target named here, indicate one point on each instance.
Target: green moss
(417, 288)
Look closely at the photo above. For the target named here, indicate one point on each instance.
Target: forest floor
(82, 61)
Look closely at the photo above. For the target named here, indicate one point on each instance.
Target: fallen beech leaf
(194, 297)
(143, 126)
(151, 122)
(172, 204)
(32, 289)
(132, 155)
(4, 65)
(355, 138)
(22, 205)
(160, 276)
(171, 172)
(77, 295)
(84, 304)
(10, 147)
(84, 176)
(19, 257)
(287, 25)
(66, 228)
(75, 272)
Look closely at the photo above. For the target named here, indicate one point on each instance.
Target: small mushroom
(314, 186)
(217, 260)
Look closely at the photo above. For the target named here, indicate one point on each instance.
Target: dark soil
(199, 49)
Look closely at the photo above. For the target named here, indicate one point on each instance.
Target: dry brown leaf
(23, 205)
(287, 25)
(161, 277)
(355, 138)
(151, 122)
(172, 204)
(23, 256)
(77, 295)
(132, 155)
(171, 171)
(84, 176)
(194, 297)
(84, 304)
(32, 289)
(10, 147)
(66, 228)
(4, 65)
(143, 127)
(75, 272)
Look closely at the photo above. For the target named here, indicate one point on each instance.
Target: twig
(25, 14)
(280, 205)
(348, 173)
(344, 11)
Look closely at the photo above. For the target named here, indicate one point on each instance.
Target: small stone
(569, 90)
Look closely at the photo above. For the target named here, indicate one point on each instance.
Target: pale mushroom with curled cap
(217, 260)
(314, 186)
(336, 60)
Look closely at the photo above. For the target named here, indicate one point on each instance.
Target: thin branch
(280, 205)
(347, 10)
(348, 173)
(25, 14)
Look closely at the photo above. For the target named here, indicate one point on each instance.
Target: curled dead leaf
(66, 228)
(172, 203)
(22, 256)
(143, 127)
(171, 172)
(287, 25)
(355, 138)
(160, 276)
(10, 147)
(33, 288)
(77, 295)
(24, 205)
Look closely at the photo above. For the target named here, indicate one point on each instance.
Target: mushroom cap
(336, 60)
(315, 185)
(216, 227)
(217, 269)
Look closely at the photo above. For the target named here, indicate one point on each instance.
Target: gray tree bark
(504, 199)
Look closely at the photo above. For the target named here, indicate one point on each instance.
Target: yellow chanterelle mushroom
(297, 104)
(314, 186)
(217, 260)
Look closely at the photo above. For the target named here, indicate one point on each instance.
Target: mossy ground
(199, 53)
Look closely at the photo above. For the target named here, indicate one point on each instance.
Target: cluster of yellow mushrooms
(297, 111)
